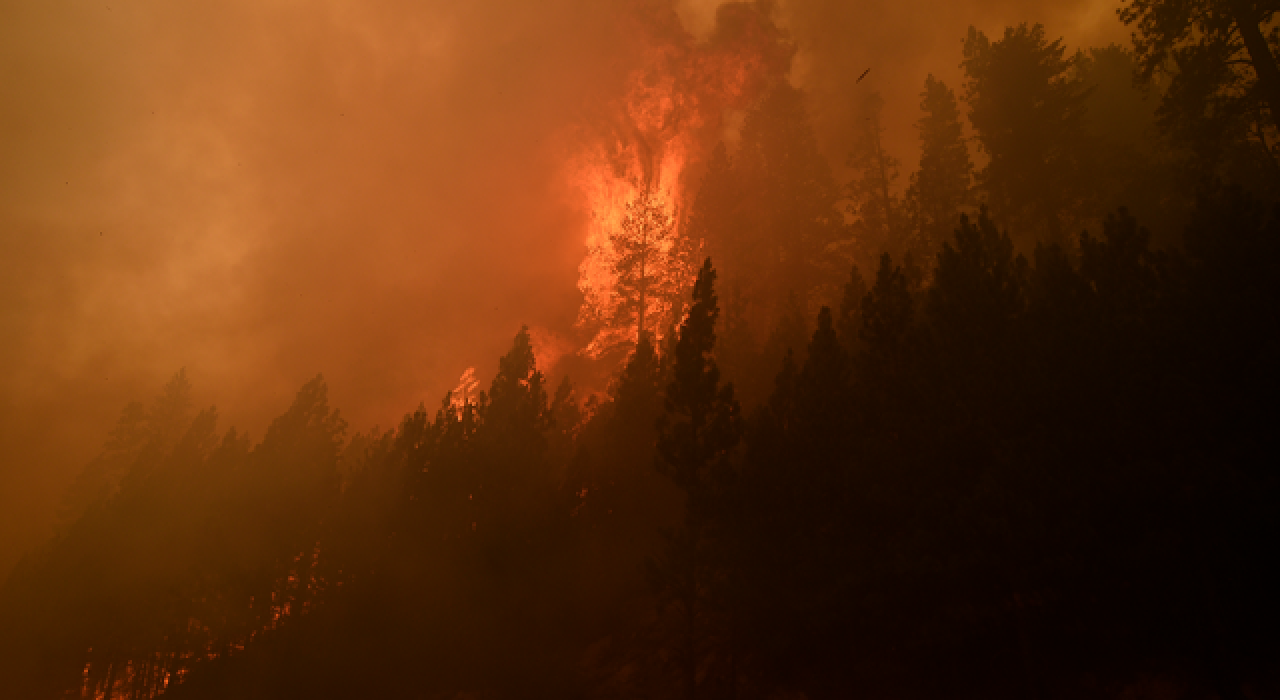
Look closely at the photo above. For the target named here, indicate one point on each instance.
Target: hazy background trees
(1027, 109)
(876, 208)
(942, 186)
(1223, 84)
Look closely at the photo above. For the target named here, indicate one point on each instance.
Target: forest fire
(653, 139)
(141, 676)
(817, 415)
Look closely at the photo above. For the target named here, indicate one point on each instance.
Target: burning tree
(652, 263)
(666, 115)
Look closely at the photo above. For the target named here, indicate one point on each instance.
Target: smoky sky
(262, 190)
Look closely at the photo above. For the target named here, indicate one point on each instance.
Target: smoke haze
(260, 191)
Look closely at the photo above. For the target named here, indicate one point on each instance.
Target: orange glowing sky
(260, 190)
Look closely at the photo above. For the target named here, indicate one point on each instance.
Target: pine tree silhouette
(699, 428)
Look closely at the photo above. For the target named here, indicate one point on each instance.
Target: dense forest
(997, 429)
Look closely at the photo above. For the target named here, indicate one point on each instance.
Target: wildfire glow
(670, 115)
(151, 673)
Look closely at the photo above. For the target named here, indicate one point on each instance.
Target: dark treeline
(915, 440)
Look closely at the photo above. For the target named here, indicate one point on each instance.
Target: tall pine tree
(788, 223)
(877, 209)
(652, 263)
(700, 427)
(942, 187)
(1027, 106)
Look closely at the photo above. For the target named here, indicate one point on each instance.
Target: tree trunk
(644, 284)
(1264, 63)
(885, 201)
(640, 320)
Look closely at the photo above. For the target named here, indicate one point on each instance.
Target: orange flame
(671, 112)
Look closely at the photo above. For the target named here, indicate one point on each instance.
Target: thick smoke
(902, 43)
(261, 190)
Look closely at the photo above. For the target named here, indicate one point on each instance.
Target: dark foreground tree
(698, 430)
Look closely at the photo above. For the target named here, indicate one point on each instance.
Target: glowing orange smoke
(672, 111)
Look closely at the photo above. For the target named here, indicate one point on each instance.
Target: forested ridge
(980, 433)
